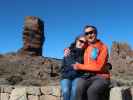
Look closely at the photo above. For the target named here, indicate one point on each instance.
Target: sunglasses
(91, 32)
(81, 41)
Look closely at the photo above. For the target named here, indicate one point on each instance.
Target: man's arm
(95, 65)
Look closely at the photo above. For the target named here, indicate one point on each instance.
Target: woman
(69, 76)
(93, 86)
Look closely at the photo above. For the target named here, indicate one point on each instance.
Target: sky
(64, 20)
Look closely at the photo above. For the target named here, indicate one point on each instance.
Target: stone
(56, 91)
(2, 89)
(51, 90)
(46, 90)
(50, 97)
(33, 91)
(42, 97)
(31, 97)
(4, 96)
(18, 94)
(117, 93)
(8, 89)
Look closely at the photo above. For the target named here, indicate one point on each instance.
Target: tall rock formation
(33, 36)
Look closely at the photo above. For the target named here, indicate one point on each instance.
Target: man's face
(90, 35)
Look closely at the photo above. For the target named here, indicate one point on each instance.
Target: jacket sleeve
(95, 65)
(62, 66)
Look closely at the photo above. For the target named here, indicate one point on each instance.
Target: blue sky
(64, 20)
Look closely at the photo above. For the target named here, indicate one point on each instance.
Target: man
(95, 58)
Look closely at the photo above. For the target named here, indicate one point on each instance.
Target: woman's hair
(91, 26)
(73, 44)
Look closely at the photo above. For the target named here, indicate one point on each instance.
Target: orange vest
(98, 65)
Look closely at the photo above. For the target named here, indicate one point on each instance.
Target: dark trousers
(91, 88)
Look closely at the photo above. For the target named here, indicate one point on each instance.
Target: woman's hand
(66, 52)
(75, 66)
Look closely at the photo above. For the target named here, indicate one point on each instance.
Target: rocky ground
(16, 69)
(25, 70)
(121, 58)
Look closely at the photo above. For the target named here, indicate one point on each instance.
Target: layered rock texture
(33, 36)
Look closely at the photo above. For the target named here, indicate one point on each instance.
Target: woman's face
(80, 42)
(90, 35)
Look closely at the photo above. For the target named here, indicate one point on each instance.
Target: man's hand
(66, 52)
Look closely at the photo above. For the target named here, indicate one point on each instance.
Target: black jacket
(67, 71)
